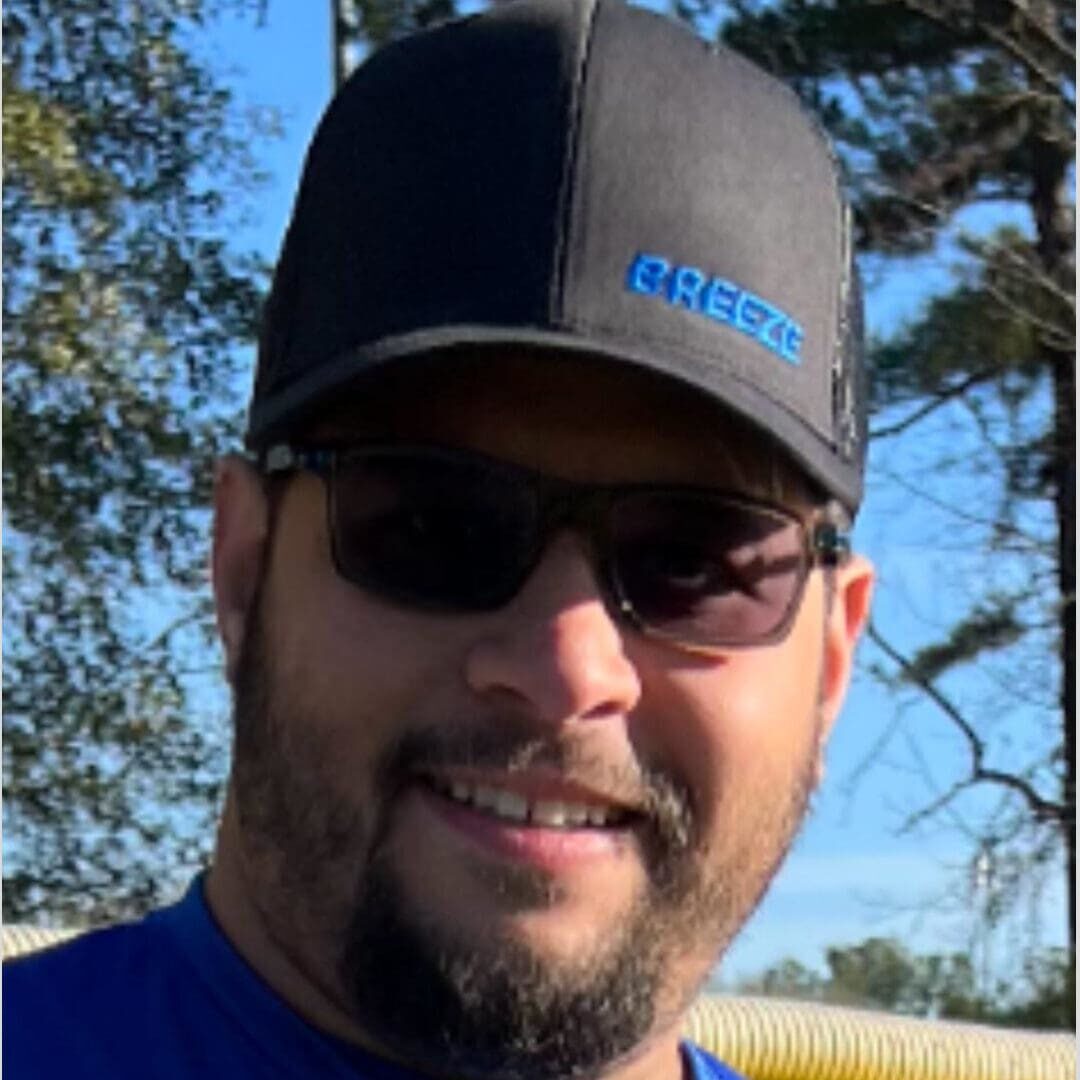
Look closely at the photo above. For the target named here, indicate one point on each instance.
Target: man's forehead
(562, 412)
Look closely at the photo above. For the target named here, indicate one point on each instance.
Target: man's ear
(241, 529)
(853, 585)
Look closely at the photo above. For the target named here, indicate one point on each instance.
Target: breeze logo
(716, 298)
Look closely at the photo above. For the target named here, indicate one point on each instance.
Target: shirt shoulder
(703, 1066)
(75, 1009)
(166, 998)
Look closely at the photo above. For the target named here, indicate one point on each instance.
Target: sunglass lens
(431, 531)
(707, 570)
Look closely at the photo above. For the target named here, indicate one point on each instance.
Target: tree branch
(1025, 271)
(942, 398)
(940, 14)
(1055, 336)
(1042, 809)
(1004, 528)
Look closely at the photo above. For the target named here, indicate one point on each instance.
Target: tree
(123, 312)
(937, 109)
(881, 973)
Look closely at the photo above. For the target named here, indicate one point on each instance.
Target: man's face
(384, 754)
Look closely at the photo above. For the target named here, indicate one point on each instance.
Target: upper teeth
(515, 807)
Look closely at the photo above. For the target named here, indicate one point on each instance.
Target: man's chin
(504, 1001)
(560, 946)
(483, 904)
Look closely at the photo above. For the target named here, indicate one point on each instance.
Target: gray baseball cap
(583, 176)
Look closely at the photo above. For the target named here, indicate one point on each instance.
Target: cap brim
(280, 412)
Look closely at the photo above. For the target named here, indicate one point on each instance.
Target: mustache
(662, 800)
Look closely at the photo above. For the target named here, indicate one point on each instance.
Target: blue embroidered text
(719, 299)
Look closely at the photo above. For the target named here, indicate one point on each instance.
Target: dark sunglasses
(455, 531)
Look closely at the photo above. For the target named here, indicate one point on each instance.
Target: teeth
(549, 813)
(514, 807)
(486, 798)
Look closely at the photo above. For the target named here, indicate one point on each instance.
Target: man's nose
(555, 650)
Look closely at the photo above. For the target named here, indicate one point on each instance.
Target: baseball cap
(582, 176)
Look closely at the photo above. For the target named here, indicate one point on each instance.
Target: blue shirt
(168, 998)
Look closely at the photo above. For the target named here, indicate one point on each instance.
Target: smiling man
(535, 592)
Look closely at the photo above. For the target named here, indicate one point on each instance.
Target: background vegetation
(123, 306)
(881, 973)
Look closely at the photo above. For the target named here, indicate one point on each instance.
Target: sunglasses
(454, 531)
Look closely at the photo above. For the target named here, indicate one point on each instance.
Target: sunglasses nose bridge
(582, 509)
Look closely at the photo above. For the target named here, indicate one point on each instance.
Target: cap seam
(839, 361)
(565, 205)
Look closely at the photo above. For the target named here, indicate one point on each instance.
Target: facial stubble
(322, 866)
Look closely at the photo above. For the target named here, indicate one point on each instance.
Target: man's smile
(535, 818)
(538, 797)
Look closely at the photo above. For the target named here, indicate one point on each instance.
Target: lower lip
(543, 847)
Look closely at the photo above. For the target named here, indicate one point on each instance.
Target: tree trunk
(339, 36)
(1050, 205)
(1065, 505)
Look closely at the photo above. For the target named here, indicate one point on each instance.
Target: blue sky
(851, 875)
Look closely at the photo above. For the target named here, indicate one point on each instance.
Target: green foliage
(881, 973)
(123, 309)
(932, 105)
(1050, 998)
(993, 626)
(786, 979)
(877, 972)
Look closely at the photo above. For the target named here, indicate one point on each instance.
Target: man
(535, 598)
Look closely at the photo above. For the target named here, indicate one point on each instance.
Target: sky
(852, 874)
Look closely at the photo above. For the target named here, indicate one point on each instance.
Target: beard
(320, 863)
